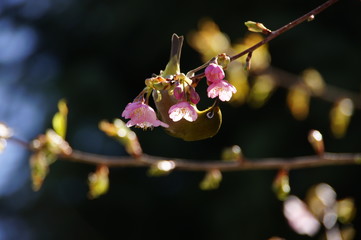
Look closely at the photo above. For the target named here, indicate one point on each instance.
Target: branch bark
(313, 161)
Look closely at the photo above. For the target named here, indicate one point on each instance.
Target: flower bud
(346, 210)
(261, 90)
(340, 116)
(316, 140)
(124, 135)
(178, 91)
(161, 168)
(211, 180)
(298, 100)
(214, 73)
(257, 27)
(314, 81)
(193, 95)
(98, 182)
(223, 60)
(281, 186)
(233, 153)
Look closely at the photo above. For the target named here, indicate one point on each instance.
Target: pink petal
(221, 89)
(182, 110)
(179, 92)
(141, 115)
(193, 95)
(214, 73)
(299, 217)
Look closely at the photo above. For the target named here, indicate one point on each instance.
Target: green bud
(281, 186)
(60, 119)
(124, 135)
(223, 60)
(161, 168)
(233, 153)
(257, 27)
(98, 182)
(211, 180)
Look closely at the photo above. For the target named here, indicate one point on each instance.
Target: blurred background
(96, 54)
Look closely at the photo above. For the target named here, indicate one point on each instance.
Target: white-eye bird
(208, 121)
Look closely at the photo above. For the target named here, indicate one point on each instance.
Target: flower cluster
(218, 87)
(180, 88)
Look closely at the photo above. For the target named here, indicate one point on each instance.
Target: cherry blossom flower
(214, 73)
(221, 89)
(182, 110)
(299, 217)
(141, 115)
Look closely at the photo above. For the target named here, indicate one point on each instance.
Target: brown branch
(327, 159)
(278, 32)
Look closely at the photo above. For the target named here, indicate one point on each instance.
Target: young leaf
(211, 180)
(98, 182)
(60, 119)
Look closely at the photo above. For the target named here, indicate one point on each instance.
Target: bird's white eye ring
(210, 114)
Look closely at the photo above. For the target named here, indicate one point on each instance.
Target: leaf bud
(223, 60)
(98, 182)
(257, 27)
(233, 153)
(316, 140)
(298, 100)
(261, 90)
(161, 168)
(59, 120)
(124, 135)
(340, 115)
(281, 186)
(211, 180)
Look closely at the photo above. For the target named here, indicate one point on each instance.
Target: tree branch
(327, 159)
(278, 32)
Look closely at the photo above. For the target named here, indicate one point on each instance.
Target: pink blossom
(214, 73)
(299, 217)
(179, 92)
(182, 110)
(141, 115)
(193, 95)
(221, 89)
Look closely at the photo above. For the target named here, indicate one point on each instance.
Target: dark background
(97, 53)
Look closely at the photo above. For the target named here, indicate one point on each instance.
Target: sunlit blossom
(214, 73)
(221, 89)
(299, 217)
(141, 115)
(183, 110)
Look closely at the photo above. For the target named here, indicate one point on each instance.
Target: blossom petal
(221, 89)
(182, 110)
(214, 73)
(299, 217)
(141, 115)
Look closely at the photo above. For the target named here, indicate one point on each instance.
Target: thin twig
(278, 32)
(327, 159)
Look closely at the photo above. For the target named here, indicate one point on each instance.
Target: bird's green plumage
(209, 120)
